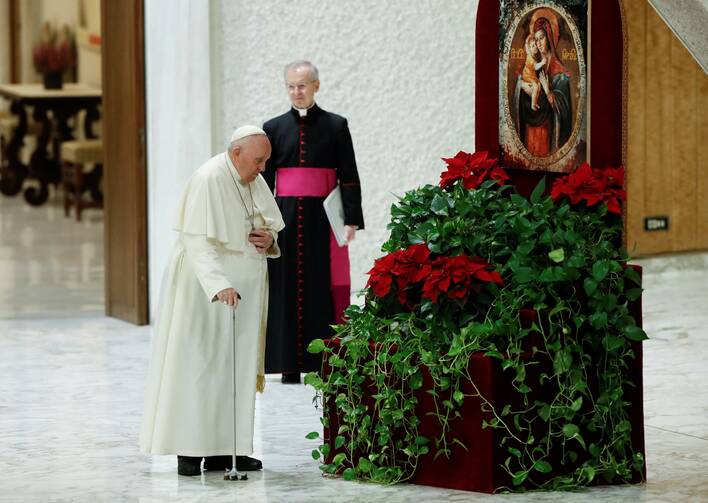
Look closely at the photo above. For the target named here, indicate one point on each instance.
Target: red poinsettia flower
(472, 169)
(592, 185)
(457, 276)
(380, 276)
(413, 263)
(401, 267)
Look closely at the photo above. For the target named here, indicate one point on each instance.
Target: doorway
(54, 265)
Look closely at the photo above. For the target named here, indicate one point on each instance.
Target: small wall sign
(659, 223)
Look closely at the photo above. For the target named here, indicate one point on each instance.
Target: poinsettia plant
(472, 169)
(592, 185)
(463, 260)
(398, 271)
(414, 269)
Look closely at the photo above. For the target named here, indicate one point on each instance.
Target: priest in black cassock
(310, 283)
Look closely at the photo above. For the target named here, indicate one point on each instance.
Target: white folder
(335, 214)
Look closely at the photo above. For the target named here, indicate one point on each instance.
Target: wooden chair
(75, 155)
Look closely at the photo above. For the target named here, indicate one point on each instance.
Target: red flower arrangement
(407, 266)
(454, 277)
(55, 52)
(472, 169)
(592, 185)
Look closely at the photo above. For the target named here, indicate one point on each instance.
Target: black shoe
(217, 463)
(188, 465)
(248, 464)
(243, 463)
(290, 378)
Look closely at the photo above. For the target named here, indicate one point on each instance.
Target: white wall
(178, 115)
(30, 26)
(401, 72)
(87, 47)
(61, 12)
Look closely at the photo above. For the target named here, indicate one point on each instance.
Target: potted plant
(54, 54)
(492, 318)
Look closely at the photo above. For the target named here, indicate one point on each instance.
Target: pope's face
(250, 158)
(301, 88)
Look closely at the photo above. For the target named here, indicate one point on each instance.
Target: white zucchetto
(245, 131)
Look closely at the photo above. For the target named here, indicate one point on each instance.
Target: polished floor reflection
(71, 387)
(50, 265)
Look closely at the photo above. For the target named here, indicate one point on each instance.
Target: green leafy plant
(538, 283)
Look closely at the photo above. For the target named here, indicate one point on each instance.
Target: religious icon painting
(543, 84)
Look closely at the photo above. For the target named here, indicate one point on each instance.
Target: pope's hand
(229, 296)
(261, 239)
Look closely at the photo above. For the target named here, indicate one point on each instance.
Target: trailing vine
(540, 284)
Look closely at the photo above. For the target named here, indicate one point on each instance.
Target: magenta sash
(305, 182)
(319, 182)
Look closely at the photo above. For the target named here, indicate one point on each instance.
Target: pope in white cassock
(228, 223)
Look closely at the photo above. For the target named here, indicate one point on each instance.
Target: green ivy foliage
(564, 263)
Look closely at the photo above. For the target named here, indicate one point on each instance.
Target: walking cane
(234, 474)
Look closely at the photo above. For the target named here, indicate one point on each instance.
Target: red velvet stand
(479, 468)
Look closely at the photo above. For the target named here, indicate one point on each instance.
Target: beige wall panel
(683, 161)
(90, 14)
(636, 132)
(61, 12)
(658, 106)
(30, 29)
(4, 44)
(702, 157)
(667, 137)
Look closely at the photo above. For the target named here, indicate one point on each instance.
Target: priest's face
(250, 157)
(301, 88)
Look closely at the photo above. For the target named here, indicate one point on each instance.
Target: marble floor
(48, 262)
(71, 387)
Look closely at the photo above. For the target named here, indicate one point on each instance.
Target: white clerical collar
(303, 111)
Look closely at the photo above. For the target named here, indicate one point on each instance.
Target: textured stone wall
(401, 72)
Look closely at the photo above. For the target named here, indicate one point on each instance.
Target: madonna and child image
(542, 77)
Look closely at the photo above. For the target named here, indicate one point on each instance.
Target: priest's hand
(229, 296)
(261, 239)
(349, 233)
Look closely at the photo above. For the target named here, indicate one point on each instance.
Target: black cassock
(309, 283)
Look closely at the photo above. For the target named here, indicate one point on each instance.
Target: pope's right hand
(229, 296)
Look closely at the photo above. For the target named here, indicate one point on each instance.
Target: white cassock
(188, 404)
